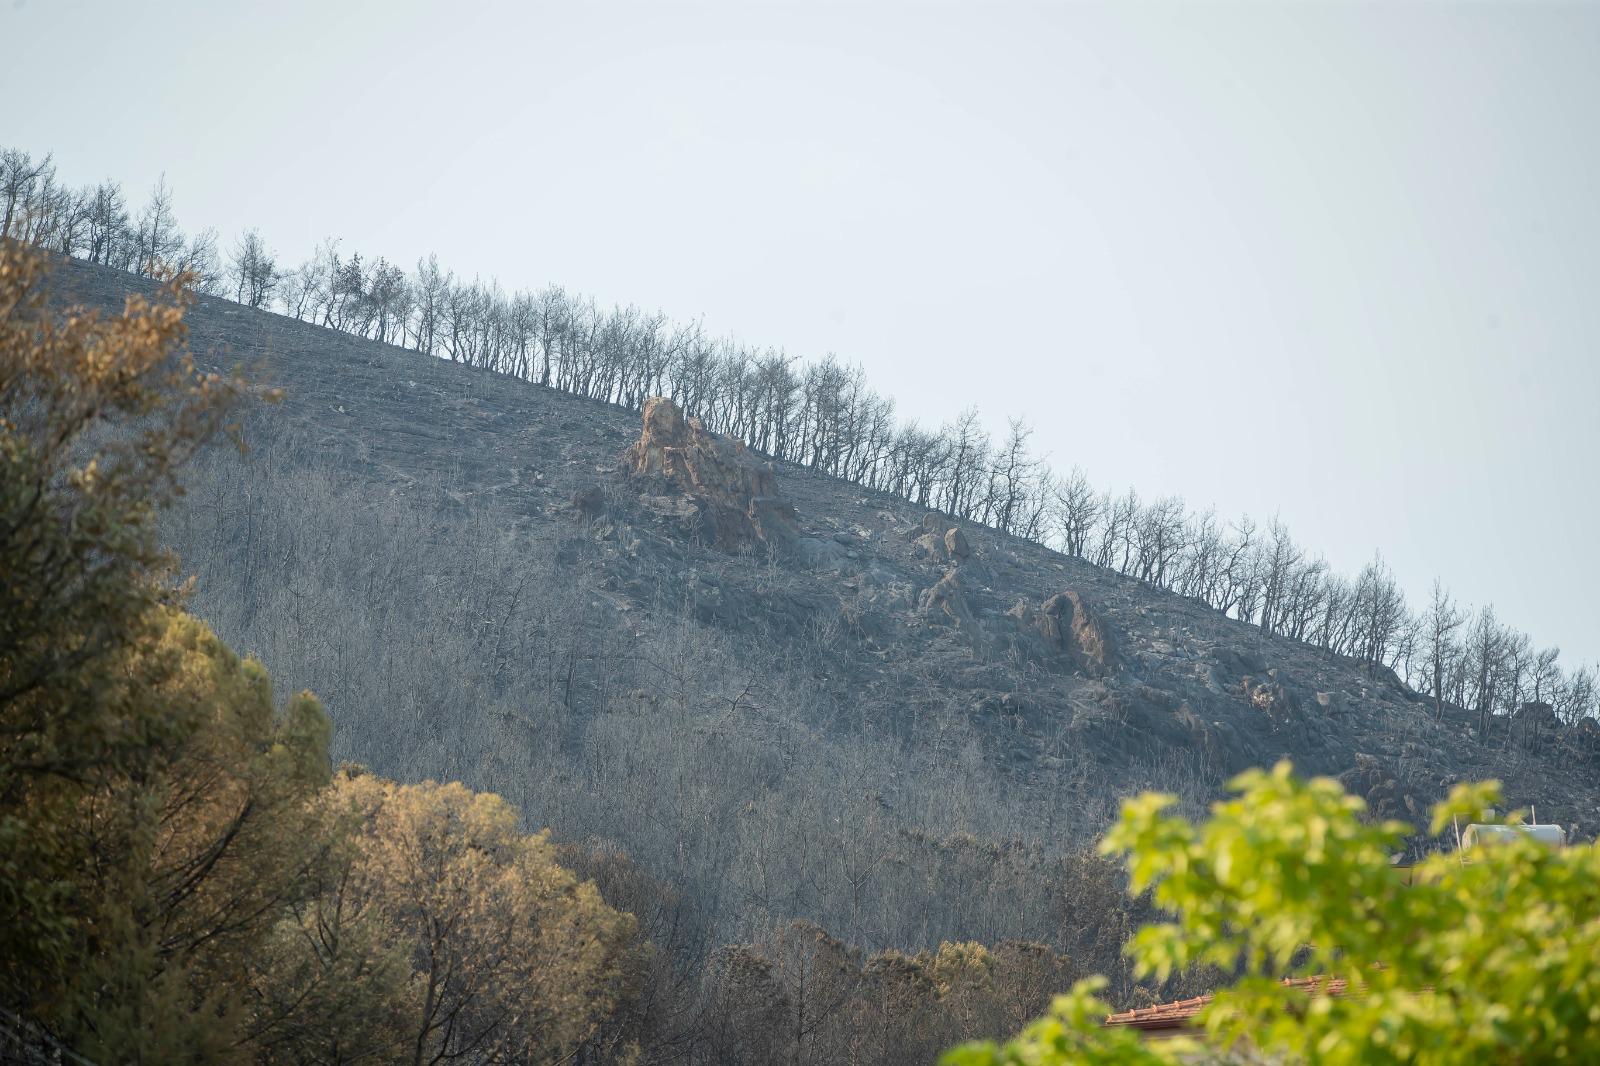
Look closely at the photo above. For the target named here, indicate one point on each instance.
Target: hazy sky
(1338, 262)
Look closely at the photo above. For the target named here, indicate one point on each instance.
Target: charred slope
(788, 697)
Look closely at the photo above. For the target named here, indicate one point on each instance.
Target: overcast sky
(1338, 262)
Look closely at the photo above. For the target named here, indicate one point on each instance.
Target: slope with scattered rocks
(867, 617)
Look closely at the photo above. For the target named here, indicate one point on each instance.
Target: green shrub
(1487, 957)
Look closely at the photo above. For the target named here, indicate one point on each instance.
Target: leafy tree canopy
(181, 878)
(1490, 959)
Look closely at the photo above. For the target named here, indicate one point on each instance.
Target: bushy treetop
(1484, 957)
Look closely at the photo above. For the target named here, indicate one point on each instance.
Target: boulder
(1085, 639)
(930, 546)
(956, 546)
(1069, 627)
(1535, 723)
(772, 520)
(733, 491)
(1268, 695)
(1388, 793)
(945, 599)
(1537, 714)
(1584, 740)
(942, 546)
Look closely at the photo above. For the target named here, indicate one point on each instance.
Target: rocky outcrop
(945, 598)
(1585, 740)
(941, 542)
(945, 602)
(771, 520)
(1270, 696)
(1537, 715)
(956, 546)
(1069, 628)
(728, 493)
(1388, 793)
(929, 546)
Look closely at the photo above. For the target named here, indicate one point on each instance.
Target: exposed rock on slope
(1070, 629)
(956, 546)
(734, 494)
(944, 602)
(936, 539)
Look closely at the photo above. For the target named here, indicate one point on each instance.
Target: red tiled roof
(1174, 1015)
(1180, 1014)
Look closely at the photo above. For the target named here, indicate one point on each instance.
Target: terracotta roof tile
(1179, 1014)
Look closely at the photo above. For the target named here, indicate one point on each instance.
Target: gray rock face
(947, 547)
(956, 547)
(931, 546)
(735, 493)
(1538, 715)
(1269, 697)
(1069, 628)
(945, 601)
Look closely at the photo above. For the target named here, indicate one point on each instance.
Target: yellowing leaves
(514, 957)
(179, 880)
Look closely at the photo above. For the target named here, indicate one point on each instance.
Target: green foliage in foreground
(182, 880)
(1491, 960)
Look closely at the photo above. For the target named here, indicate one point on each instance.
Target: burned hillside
(786, 695)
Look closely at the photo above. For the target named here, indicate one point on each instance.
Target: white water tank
(1476, 835)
